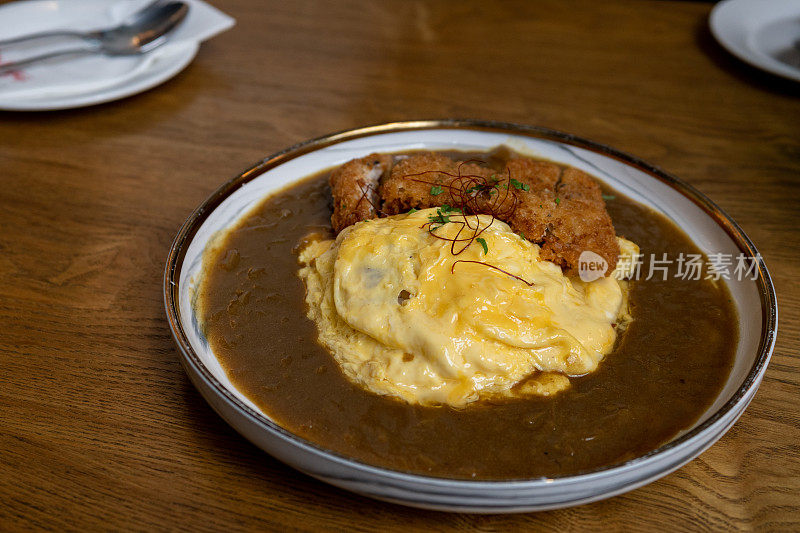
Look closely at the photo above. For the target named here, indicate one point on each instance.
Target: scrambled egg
(405, 317)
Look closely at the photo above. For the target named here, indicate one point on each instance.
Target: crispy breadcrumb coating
(565, 215)
(412, 182)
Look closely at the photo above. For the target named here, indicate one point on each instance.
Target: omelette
(405, 316)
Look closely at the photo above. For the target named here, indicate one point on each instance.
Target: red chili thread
(466, 190)
(453, 267)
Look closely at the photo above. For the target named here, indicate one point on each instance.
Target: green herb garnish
(558, 201)
(436, 190)
(609, 197)
(412, 210)
(519, 185)
(438, 218)
(482, 242)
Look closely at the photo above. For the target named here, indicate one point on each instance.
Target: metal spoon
(144, 31)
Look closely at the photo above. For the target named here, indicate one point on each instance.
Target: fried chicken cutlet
(559, 208)
(354, 187)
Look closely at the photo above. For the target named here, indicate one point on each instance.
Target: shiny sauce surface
(665, 371)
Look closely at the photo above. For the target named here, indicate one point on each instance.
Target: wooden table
(99, 426)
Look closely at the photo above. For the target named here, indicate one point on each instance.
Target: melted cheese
(405, 317)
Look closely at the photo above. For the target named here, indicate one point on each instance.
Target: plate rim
(749, 385)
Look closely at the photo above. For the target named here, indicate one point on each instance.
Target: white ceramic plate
(762, 33)
(706, 224)
(20, 18)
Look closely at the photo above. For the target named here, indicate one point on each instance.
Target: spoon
(142, 32)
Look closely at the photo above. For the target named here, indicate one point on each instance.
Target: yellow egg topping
(404, 316)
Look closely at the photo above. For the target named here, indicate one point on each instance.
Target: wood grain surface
(100, 427)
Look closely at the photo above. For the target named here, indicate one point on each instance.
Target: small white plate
(762, 33)
(93, 79)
